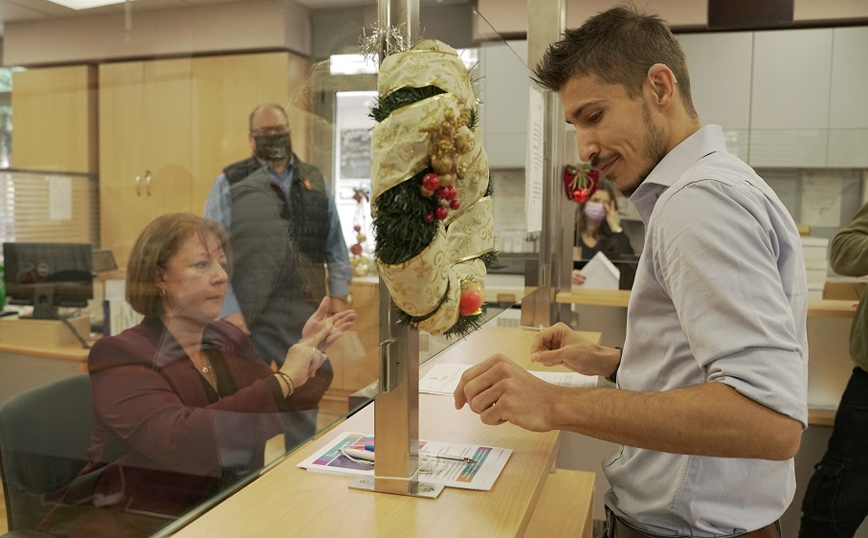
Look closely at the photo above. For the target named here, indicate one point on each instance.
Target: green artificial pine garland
(399, 224)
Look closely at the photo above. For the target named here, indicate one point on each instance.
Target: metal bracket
(419, 489)
(388, 366)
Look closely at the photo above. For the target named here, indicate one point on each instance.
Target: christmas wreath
(431, 193)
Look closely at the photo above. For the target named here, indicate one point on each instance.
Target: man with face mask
(289, 249)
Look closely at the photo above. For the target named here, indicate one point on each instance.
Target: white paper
(600, 273)
(533, 195)
(59, 198)
(821, 199)
(443, 378)
(479, 474)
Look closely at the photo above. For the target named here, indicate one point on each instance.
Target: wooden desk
(287, 500)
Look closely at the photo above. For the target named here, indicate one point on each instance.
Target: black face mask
(273, 147)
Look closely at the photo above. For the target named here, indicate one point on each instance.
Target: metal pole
(546, 23)
(396, 407)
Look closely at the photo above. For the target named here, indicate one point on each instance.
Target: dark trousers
(836, 501)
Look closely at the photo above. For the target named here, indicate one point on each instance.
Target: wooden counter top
(287, 500)
(816, 307)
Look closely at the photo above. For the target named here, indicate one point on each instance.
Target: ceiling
(27, 10)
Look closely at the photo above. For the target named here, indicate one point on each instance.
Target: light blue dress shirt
(218, 208)
(720, 296)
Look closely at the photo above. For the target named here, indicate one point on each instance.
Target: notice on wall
(821, 199)
(59, 198)
(533, 196)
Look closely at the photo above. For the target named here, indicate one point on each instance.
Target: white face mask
(595, 211)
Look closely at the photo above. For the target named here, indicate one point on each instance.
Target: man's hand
(559, 344)
(238, 320)
(499, 391)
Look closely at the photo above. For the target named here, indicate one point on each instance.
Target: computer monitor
(48, 276)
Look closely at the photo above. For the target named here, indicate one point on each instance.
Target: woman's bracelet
(288, 381)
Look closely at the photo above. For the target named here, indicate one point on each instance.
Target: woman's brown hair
(158, 242)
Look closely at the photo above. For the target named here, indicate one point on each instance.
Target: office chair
(44, 435)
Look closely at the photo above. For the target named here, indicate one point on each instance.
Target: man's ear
(662, 82)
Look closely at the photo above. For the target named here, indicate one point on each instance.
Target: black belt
(772, 530)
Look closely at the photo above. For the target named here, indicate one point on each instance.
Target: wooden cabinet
(55, 119)
(168, 127)
(145, 146)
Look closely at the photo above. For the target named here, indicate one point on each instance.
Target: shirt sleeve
(729, 266)
(340, 272)
(218, 207)
(848, 252)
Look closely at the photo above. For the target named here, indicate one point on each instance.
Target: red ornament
(455, 204)
(356, 250)
(430, 181)
(429, 218)
(580, 195)
(441, 212)
(448, 192)
(357, 228)
(580, 179)
(471, 301)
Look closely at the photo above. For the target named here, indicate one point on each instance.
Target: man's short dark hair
(617, 46)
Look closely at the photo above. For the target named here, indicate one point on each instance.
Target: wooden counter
(287, 500)
(816, 307)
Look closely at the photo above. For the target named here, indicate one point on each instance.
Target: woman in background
(598, 229)
(183, 402)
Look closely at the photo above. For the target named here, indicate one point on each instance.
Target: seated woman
(183, 403)
(598, 229)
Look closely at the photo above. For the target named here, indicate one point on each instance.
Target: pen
(370, 448)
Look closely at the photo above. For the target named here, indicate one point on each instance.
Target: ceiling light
(85, 4)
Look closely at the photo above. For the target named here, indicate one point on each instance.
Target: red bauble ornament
(357, 228)
(356, 250)
(441, 212)
(470, 302)
(430, 181)
(454, 204)
(580, 195)
(429, 218)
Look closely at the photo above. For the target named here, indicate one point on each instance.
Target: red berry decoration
(429, 218)
(580, 195)
(448, 192)
(430, 181)
(441, 212)
(454, 204)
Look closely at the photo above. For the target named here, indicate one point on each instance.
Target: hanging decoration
(431, 193)
(580, 181)
(359, 259)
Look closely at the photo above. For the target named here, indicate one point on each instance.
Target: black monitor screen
(48, 275)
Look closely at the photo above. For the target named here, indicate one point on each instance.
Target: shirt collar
(288, 174)
(706, 140)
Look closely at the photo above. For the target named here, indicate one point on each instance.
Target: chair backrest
(44, 436)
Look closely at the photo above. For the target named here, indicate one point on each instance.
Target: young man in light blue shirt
(713, 375)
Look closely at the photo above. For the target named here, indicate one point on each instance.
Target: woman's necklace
(207, 369)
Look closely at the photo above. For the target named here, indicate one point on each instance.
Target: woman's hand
(304, 358)
(340, 323)
(612, 216)
(578, 277)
